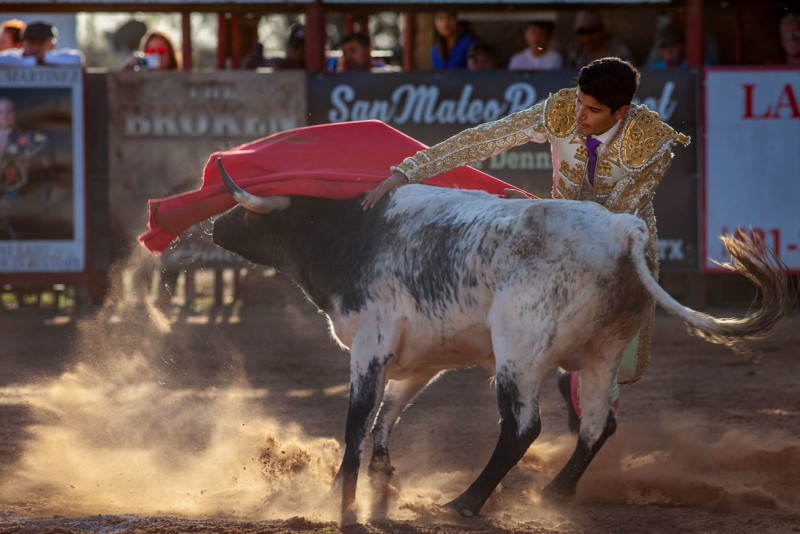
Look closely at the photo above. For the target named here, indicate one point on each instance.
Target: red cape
(336, 161)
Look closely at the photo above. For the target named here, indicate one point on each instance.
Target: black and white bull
(434, 279)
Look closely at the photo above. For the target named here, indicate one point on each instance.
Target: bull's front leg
(366, 390)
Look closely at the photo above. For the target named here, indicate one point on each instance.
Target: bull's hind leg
(396, 396)
(518, 385)
(598, 421)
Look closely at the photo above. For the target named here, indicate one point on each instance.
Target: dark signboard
(434, 106)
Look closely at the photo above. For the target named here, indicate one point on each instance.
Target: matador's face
(593, 117)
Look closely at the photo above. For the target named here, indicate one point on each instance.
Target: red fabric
(336, 161)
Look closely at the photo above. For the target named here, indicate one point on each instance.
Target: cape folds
(335, 161)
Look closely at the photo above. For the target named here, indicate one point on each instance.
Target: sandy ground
(128, 419)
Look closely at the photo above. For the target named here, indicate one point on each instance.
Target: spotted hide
(434, 279)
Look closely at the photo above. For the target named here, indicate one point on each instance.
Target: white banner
(42, 213)
(752, 178)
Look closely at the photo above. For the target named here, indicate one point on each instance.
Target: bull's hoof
(460, 508)
(349, 516)
(558, 493)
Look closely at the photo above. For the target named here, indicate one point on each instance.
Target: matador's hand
(372, 196)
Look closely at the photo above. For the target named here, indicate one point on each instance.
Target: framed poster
(42, 184)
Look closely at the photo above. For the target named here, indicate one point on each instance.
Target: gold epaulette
(645, 137)
(559, 113)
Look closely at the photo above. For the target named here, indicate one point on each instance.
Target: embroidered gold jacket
(627, 173)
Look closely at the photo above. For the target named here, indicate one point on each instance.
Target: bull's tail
(751, 258)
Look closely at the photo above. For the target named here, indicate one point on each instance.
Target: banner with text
(42, 213)
(163, 126)
(434, 106)
(751, 177)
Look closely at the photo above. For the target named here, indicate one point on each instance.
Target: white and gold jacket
(629, 168)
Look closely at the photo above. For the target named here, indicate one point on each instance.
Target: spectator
(481, 57)
(39, 48)
(255, 58)
(670, 45)
(295, 50)
(594, 41)
(156, 51)
(453, 39)
(538, 55)
(356, 52)
(789, 27)
(11, 34)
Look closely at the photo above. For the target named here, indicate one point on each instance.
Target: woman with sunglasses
(156, 51)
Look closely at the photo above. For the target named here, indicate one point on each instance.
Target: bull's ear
(249, 201)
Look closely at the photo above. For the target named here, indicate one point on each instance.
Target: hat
(669, 35)
(297, 35)
(39, 30)
(588, 19)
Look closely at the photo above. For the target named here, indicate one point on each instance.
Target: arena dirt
(138, 419)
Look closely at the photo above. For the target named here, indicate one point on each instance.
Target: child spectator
(538, 55)
(481, 57)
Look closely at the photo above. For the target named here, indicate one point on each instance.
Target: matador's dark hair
(610, 80)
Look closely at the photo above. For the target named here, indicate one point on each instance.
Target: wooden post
(408, 41)
(222, 40)
(695, 33)
(315, 37)
(235, 42)
(186, 40)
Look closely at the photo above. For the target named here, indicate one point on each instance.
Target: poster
(42, 214)
(163, 126)
(752, 181)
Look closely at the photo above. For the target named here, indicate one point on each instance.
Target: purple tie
(591, 148)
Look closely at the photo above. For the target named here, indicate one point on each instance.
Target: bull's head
(249, 201)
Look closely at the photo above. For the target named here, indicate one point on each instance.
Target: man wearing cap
(670, 48)
(39, 49)
(593, 41)
(604, 148)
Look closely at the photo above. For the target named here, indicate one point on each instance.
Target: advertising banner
(163, 126)
(752, 180)
(42, 199)
(434, 106)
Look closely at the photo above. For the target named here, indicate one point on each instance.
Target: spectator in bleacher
(594, 41)
(39, 41)
(789, 28)
(538, 55)
(453, 39)
(254, 59)
(671, 48)
(481, 57)
(156, 51)
(295, 50)
(11, 34)
(356, 52)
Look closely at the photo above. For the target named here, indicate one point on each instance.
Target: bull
(433, 279)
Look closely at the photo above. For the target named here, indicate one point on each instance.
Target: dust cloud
(158, 414)
(152, 417)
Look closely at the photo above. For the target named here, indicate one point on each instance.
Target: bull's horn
(249, 201)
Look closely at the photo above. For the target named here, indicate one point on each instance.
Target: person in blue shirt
(453, 42)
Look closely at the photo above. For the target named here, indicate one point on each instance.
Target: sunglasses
(159, 50)
(588, 31)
